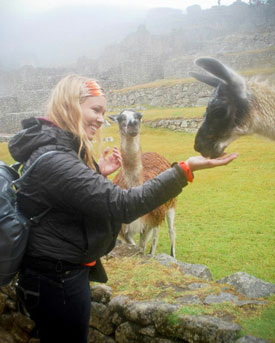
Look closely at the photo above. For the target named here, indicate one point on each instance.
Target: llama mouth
(218, 154)
(219, 150)
(132, 133)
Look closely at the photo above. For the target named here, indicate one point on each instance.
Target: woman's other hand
(109, 163)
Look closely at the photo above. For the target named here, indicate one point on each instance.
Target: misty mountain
(62, 35)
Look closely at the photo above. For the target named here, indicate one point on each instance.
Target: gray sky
(58, 32)
(44, 5)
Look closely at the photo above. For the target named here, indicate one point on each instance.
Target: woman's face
(93, 109)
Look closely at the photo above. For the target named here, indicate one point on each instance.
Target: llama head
(226, 111)
(128, 122)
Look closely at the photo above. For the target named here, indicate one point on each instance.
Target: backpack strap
(36, 219)
(16, 166)
(17, 182)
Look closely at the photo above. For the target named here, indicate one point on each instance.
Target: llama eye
(222, 112)
(219, 113)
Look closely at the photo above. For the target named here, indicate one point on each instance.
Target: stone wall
(178, 95)
(232, 50)
(11, 122)
(29, 96)
(119, 319)
(185, 125)
(24, 105)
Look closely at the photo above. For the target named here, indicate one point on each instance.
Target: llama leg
(145, 234)
(154, 240)
(126, 234)
(170, 217)
(130, 240)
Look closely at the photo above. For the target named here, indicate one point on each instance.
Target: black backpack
(14, 226)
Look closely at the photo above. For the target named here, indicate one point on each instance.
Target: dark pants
(58, 302)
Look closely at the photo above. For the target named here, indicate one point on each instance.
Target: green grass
(257, 323)
(171, 113)
(225, 219)
(4, 153)
(251, 52)
(262, 326)
(143, 280)
(155, 84)
(153, 113)
(258, 71)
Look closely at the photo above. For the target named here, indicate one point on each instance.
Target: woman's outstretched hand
(109, 163)
(199, 162)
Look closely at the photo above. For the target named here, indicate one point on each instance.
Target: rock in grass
(198, 270)
(194, 329)
(101, 294)
(220, 298)
(251, 339)
(227, 297)
(249, 285)
(189, 299)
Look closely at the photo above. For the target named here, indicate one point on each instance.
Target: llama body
(235, 109)
(137, 168)
(262, 109)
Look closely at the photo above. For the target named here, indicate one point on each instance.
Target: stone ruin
(119, 319)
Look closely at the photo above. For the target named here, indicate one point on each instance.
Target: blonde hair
(65, 111)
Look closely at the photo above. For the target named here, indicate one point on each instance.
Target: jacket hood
(37, 133)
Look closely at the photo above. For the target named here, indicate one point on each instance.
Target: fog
(60, 36)
(35, 32)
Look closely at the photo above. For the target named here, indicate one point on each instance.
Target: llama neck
(263, 113)
(131, 161)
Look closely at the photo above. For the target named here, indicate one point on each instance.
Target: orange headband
(93, 88)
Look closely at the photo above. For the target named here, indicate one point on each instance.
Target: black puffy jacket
(87, 209)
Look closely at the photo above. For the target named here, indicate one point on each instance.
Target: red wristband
(188, 172)
(90, 264)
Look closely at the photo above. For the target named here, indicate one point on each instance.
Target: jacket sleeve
(68, 184)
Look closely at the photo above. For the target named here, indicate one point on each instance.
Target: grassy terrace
(225, 219)
(174, 82)
(155, 84)
(152, 113)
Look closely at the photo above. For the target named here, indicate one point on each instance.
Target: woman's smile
(93, 110)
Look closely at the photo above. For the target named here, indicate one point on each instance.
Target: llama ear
(224, 73)
(208, 79)
(113, 117)
(140, 115)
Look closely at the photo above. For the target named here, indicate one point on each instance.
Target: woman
(85, 209)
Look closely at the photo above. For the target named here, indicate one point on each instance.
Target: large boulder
(249, 285)
(198, 270)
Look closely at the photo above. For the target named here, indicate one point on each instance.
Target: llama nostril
(132, 123)
(197, 145)
(196, 148)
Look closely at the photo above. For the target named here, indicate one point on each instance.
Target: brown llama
(137, 168)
